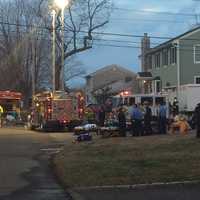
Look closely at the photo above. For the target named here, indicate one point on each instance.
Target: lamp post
(61, 4)
(53, 51)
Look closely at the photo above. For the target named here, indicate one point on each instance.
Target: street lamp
(53, 51)
(61, 4)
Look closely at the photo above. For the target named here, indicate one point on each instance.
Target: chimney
(145, 47)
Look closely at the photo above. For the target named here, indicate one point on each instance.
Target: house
(110, 80)
(173, 63)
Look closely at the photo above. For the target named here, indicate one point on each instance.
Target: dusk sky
(154, 17)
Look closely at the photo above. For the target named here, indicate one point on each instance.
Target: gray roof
(171, 40)
(110, 67)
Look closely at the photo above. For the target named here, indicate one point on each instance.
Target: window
(150, 64)
(157, 60)
(197, 79)
(165, 57)
(197, 54)
(157, 86)
(128, 79)
(173, 55)
(126, 101)
(131, 101)
(159, 100)
(147, 99)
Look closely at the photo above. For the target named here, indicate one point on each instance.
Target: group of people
(142, 121)
(140, 117)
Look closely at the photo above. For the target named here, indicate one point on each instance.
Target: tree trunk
(57, 79)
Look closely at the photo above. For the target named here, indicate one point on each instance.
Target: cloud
(137, 23)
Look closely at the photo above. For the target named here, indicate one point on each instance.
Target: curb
(137, 186)
(75, 195)
(75, 192)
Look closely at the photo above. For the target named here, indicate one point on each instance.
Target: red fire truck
(11, 102)
(54, 111)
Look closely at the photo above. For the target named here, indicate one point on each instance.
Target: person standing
(137, 117)
(147, 119)
(102, 116)
(197, 119)
(122, 122)
(162, 119)
(1, 115)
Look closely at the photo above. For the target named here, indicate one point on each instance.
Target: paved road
(25, 173)
(175, 192)
(24, 166)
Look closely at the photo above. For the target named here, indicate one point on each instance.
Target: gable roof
(111, 67)
(160, 46)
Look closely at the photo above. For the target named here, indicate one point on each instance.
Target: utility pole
(33, 66)
(53, 51)
(62, 78)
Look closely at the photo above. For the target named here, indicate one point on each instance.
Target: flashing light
(37, 104)
(82, 98)
(49, 110)
(126, 93)
(63, 121)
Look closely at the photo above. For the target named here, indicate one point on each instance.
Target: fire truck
(11, 102)
(54, 111)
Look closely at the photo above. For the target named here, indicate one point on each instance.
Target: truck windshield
(147, 99)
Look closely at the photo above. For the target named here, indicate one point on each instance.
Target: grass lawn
(121, 161)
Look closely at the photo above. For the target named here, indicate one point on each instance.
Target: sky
(136, 17)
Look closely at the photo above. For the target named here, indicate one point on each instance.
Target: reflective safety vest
(1, 110)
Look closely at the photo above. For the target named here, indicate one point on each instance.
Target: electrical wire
(154, 12)
(101, 39)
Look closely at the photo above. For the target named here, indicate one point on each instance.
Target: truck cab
(53, 111)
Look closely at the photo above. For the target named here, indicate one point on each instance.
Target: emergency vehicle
(11, 102)
(55, 111)
(154, 101)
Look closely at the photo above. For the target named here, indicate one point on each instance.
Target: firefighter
(122, 122)
(1, 113)
(197, 119)
(175, 107)
(147, 119)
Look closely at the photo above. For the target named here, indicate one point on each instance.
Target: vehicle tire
(43, 126)
(31, 127)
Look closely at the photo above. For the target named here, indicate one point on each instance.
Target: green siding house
(173, 63)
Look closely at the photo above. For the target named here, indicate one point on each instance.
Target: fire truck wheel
(42, 126)
(32, 127)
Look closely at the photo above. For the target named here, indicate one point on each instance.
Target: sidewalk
(167, 192)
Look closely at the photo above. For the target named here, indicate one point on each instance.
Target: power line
(95, 32)
(107, 34)
(154, 12)
(135, 20)
(112, 45)
(125, 46)
(138, 47)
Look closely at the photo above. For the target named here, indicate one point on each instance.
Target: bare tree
(25, 35)
(24, 48)
(82, 19)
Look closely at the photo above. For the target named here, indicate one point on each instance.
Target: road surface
(25, 173)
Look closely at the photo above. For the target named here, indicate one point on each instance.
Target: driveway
(24, 165)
